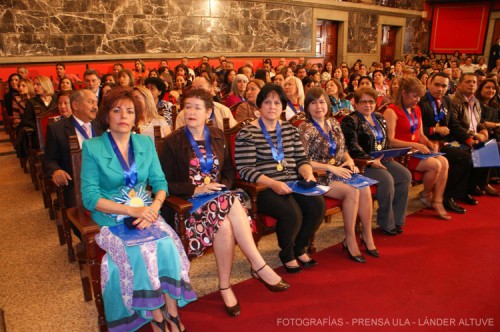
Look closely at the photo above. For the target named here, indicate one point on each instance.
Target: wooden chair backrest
(174, 116)
(230, 134)
(41, 124)
(297, 119)
(76, 164)
(158, 139)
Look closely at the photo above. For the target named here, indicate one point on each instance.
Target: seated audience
(196, 162)
(9, 97)
(324, 145)
(65, 84)
(339, 105)
(404, 124)
(238, 87)
(25, 92)
(145, 104)
(219, 112)
(248, 108)
(64, 104)
(126, 78)
(156, 272)
(158, 89)
(364, 132)
(295, 96)
(259, 160)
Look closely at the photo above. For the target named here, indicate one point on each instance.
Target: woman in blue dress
(145, 280)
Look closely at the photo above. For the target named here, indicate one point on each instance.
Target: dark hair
(340, 91)
(462, 78)
(153, 71)
(481, 86)
(61, 64)
(160, 85)
(185, 68)
(366, 78)
(103, 78)
(203, 95)
(298, 68)
(10, 77)
(307, 80)
(66, 93)
(479, 72)
(65, 78)
(111, 99)
(268, 89)
(350, 87)
(89, 72)
(379, 71)
(312, 72)
(226, 75)
(129, 74)
(260, 74)
(438, 74)
(365, 91)
(314, 94)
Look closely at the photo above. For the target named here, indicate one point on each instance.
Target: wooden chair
(88, 252)
(179, 205)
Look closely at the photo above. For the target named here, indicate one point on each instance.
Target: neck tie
(86, 126)
(438, 104)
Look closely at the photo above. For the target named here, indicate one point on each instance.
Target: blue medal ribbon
(130, 170)
(293, 107)
(81, 130)
(437, 116)
(377, 130)
(278, 153)
(333, 145)
(413, 120)
(206, 163)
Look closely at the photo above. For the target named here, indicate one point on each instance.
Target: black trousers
(298, 217)
(460, 162)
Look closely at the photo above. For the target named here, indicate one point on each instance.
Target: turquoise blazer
(102, 175)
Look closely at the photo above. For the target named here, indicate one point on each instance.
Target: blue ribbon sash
(329, 138)
(81, 130)
(293, 107)
(279, 152)
(130, 170)
(377, 130)
(437, 116)
(206, 163)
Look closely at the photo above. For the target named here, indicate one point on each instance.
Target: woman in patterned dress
(144, 281)
(324, 144)
(198, 165)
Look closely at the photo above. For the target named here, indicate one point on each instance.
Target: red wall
(102, 67)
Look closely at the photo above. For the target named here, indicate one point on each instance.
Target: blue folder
(315, 191)
(357, 181)
(486, 156)
(390, 153)
(427, 156)
(135, 236)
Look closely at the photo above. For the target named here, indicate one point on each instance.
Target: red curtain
(459, 27)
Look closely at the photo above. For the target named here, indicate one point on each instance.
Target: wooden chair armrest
(361, 164)
(179, 205)
(319, 174)
(82, 221)
(252, 188)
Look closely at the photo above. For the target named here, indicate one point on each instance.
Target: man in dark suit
(57, 160)
(441, 125)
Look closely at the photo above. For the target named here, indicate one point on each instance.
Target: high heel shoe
(357, 259)
(292, 269)
(425, 199)
(309, 263)
(372, 252)
(235, 309)
(440, 213)
(282, 285)
(172, 320)
(161, 325)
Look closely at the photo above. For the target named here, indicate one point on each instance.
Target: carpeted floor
(41, 291)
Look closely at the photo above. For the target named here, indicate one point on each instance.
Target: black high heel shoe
(161, 325)
(173, 320)
(309, 263)
(372, 252)
(235, 309)
(292, 269)
(282, 285)
(357, 259)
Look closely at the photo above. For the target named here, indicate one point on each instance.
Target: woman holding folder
(365, 131)
(269, 152)
(404, 124)
(145, 279)
(324, 144)
(197, 165)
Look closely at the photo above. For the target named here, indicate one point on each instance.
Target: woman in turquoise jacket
(144, 274)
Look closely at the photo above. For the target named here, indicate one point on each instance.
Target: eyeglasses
(366, 102)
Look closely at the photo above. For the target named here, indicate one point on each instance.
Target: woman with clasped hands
(269, 152)
(196, 162)
(137, 279)
(404, 124)
(324, 144)
(366, 131)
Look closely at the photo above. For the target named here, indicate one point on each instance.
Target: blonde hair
(408, 85)
(300, 88)
(151, 111)
(29, 84)
(46, 84)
